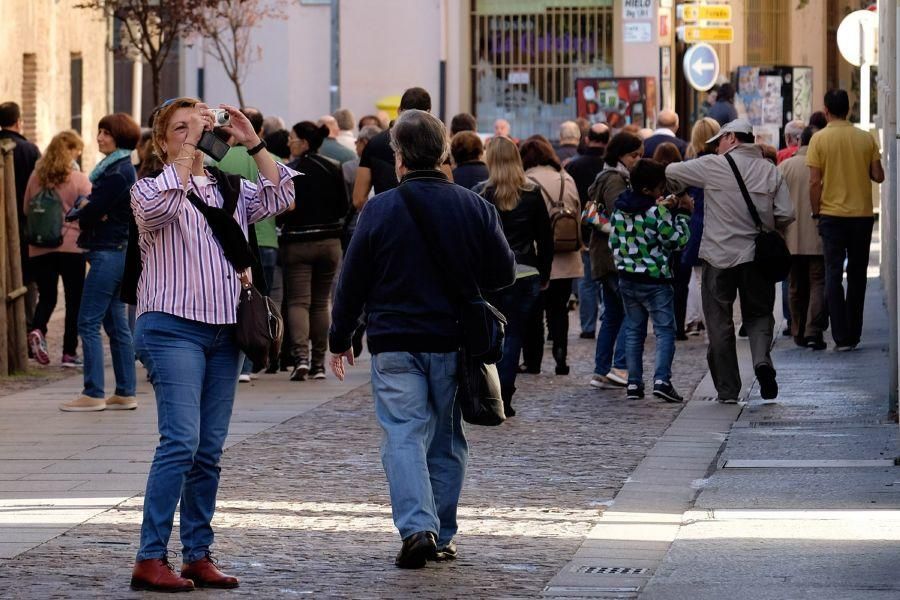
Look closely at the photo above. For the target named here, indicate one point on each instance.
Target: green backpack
(44, 222)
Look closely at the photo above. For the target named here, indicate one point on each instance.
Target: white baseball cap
(736, 126)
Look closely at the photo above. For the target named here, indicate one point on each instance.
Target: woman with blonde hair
(55, 175)
(185, 333)
(526, 225)
(703, 130)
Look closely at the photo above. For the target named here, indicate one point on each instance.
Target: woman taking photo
(104, 217)
(54, 173)
(311, 248)
(526, 225)
(185, 332)
(543, 168)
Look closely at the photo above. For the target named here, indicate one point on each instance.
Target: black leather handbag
(772, 256)
(483, 326)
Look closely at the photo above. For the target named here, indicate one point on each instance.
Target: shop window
(527, 54)
(76, 67)
(768, 32)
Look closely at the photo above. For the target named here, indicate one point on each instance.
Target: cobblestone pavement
(304, 511)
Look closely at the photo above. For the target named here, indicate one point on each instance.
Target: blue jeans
(655, 301)
(588, 297)
(193, 367)
(423, 449)
(610, 350)
(516, 303)
(100, 304)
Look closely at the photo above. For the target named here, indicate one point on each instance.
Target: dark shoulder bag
(483, 328)
(260, 327)
(772, 256)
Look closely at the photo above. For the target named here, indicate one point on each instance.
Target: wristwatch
(255, 149)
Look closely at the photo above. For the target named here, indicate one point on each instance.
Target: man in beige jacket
(809, 315)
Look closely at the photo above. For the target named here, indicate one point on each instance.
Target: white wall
(386, 47)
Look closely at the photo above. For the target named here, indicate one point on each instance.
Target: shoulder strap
(229, 186)
(744, 192)
(544, 191)
(454, 288)
(562, 186)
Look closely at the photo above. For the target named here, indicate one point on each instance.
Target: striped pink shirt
(185, 272)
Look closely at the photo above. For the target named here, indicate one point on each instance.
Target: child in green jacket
(646, 229)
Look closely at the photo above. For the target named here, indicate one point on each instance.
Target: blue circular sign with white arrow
(701, 66)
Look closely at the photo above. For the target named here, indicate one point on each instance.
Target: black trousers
(46, 271)
(554, 302)
(680, 285)
(846, 238)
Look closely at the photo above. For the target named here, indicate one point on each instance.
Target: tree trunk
(240, 93)
(156, 71)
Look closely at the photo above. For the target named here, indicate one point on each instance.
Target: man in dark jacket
(413, 327)
(584, 169)
(25, 155)
(667, 131)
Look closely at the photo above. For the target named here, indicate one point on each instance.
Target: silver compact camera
(221, 117)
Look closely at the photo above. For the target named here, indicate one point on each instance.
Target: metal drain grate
(818, 423)
(589, 570)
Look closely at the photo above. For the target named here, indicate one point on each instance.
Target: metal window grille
(525, 62)
(767, 23)
(29, 95)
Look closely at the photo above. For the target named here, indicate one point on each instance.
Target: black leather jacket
(322, 201)
(527, 229)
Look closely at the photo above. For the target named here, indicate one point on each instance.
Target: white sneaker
(244, 378)
(618, 376)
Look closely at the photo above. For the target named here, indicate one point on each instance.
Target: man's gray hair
(344, 119)
(271, 125)
(569, 132)
(368, 132)
(420, 139)
(793, 130)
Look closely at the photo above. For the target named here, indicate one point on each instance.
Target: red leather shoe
(158, 575)
(206, 574)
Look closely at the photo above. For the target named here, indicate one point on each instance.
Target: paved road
(303, 507)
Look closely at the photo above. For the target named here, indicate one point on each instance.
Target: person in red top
(55, 172)
(792, 133)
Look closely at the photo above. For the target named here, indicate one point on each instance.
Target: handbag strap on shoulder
(462, 290)
(740, 181)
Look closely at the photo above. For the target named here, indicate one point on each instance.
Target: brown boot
(206, 574)
(158, 575)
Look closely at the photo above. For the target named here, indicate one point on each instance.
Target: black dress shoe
(446, 552)
(416, 550)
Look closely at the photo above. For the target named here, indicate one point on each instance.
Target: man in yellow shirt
(843, 161)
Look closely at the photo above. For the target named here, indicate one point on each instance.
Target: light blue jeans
(193, 367)
(656, 302)
(423, 449)
(588, 297)
(100, 304)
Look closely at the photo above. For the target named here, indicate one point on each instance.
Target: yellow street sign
(706, 12)
(693, 34)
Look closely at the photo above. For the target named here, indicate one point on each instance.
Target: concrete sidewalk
(58, 470)
(805, 499)
(802, 500)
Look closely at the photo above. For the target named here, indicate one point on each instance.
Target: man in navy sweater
(413, 327)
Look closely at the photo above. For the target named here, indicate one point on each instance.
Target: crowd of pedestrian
(377, 231)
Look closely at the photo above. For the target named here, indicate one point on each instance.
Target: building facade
(56, 67)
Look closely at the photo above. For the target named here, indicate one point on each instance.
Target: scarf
(117, 154)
